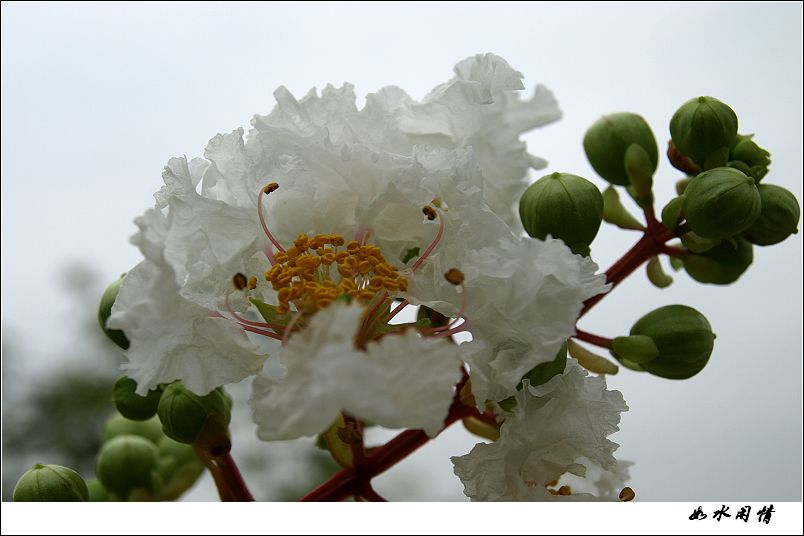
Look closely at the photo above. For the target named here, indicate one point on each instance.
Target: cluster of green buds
(721, 212)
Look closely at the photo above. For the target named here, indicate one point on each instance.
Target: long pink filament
(246, 321)
(432, 245)
(262, 332)
(276, 244)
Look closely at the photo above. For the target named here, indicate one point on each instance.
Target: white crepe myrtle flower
(557, 429)
(323, 202)
(382, 383)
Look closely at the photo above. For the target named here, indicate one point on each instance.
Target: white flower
(364, 176)
(402, 381)
(558, 428)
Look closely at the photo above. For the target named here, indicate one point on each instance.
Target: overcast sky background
(96, 98)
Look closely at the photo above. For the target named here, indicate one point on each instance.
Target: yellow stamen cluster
(317, 271)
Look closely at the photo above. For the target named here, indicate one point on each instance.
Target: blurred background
(97, 97)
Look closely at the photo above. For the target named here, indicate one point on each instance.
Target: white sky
(96, 98)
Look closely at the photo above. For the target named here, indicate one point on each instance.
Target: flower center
(316, 271)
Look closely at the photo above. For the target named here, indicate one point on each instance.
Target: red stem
(234, 480)
(591, 338)
(648, 246)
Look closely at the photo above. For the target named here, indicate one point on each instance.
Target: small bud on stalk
(778, 219)
(50, 483)
(130, 404)
(722, 264)
(703, 128)
(196, 420)
(105, 310)
(608, 139)
(673, 342)
(127, 463)
(722, 202)
(118, 425)
(565, 206)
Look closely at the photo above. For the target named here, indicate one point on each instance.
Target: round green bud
(118, 425)
(778, 219)
(192, 419)
(127, 463)
(50, 483)
(722, 264)
(97, 493)
(105, 310)
(721, 202)
(607, 140)
(702, 127)
(565, 206)
(683, 338)
(130, 404)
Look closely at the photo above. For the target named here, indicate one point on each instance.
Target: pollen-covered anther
(270, 187)
(627, 494)
(454, 276)
(303, 275)
(239, 281)
(430, 212)
(252, 283)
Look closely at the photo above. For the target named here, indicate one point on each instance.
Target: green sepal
(544, 372)
(340, 450)
(410, 254)
(616, 214)
(698, 244)
(590, 360)
(657, 275)
(673, 213)
(639, 169)
(270, 314)
(637, 349)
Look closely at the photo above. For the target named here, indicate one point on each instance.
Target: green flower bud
(130, 404)
(50, 483)
(127, 463)
(721, 202)
(105, 310)
(564, 206)
(179, 468)
(702, 127)
(673, 212)
(752, 157)
(608, 139)
(683, 338)
(118, 425)
(97, 493)
(778, 219)
(193, 419)
(722, 264)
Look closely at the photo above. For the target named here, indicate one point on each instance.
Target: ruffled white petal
(403, 381)
(558, 428)
(172, 338)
